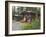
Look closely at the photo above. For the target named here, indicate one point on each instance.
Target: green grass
(26, 26)
(35, 24)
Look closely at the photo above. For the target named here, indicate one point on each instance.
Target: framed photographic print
(24, 18)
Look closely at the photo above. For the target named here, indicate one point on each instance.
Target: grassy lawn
(26, 26)
(35, 24)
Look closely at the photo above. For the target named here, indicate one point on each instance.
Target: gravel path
(16, 25)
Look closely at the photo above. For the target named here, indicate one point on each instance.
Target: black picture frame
(6, 17)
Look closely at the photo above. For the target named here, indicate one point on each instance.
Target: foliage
(35, 24)
(20, 9)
